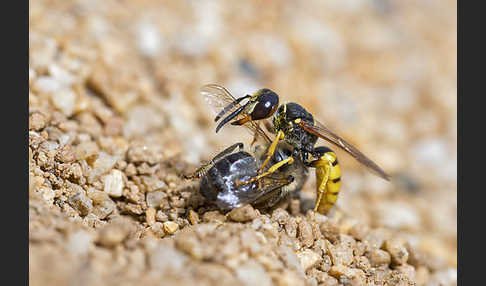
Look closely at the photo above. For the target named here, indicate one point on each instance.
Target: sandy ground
(116, 117)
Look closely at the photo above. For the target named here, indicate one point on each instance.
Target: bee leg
(206, 166)
(271, 150)
(271, 170)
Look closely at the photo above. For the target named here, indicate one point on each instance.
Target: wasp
(294, 125)
(220, 177)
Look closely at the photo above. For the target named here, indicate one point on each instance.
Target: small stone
(81, 203)
(158, 229)
(397, 250)
(170, 227)
(408, 270)
(305, 233)
(165, 258)
(153, 184)
(291, 228)
(64, 100)
(193, 217)
(37, 121)
(98, 197)
(189, 244)
(101, 166)
(213, 216)
(252, 273)
(115, 232)
(104, 209)
(114, 183)
(243, 214)
(341, 254)
(65, 154)
(79, 242)
(289, 278)
(140, 152)
(376, 237)
(86, 150)
(308, 259)
(357, 276)
(150, 216)
(154, 199)
(46, 84)
(161, 216)
(378, 257)
(131, 170)
(281, 216)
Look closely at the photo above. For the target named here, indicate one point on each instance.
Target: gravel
(116, 119)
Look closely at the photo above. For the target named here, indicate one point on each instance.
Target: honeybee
(220, 175)
(294, 125)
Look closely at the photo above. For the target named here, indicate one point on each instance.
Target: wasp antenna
(231, 116)
(229, 106)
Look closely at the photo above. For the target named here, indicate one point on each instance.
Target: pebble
(356, 275)
(150, 216)
(308, 258)
(64, 100)
(189, 244)
(103, 164)
(46, 84)
(397, 250)
(85, 150)
(154, 199)
(140, 152)
(378, 257)
(79, 242)
(252, 273)
(37, 121)
(115, 232)
(170, 227)
(161, 216)
(81, 203)
(157, 228)
(113, 184)
(281, 216)
(289, 278)
(193, 217)
(341, 254)
(165, 258)
(305, 233)
(104, 209)
(213, 216)
(243, 214)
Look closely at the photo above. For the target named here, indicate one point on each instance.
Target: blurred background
(380, 73)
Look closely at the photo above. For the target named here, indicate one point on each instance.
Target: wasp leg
(271, 170)
(206, 166)
(328, 179)
(322, 176)
(271, 150)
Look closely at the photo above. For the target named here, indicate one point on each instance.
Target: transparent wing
(323, 132)
(219, 98)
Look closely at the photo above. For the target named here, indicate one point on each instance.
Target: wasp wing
(325, 133)
(221, 102)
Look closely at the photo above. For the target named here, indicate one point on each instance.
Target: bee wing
(217, 97)
(325, 133)
(270, 188)
(221, 102)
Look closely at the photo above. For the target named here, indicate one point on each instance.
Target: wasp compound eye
(266, 106)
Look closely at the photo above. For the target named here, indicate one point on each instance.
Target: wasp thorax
(267, 103)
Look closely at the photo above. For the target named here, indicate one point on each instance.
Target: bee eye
(266, 106)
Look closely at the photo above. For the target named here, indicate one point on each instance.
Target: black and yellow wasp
(292, 124)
